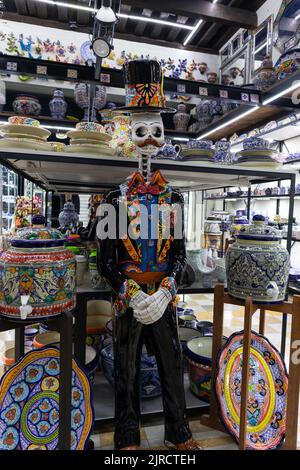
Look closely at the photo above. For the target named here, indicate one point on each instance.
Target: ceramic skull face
(147, 132)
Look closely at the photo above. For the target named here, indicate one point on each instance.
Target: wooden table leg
(213, 419)
(294, 380)
(245, 373)
(262, 321)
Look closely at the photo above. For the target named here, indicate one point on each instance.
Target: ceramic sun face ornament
(147, 131)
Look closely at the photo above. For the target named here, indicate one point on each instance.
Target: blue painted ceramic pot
(200, 144)
(149, 378)
(256, 143)
(257, 265)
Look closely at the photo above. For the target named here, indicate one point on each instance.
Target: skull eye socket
(141, 131)
(157, 131)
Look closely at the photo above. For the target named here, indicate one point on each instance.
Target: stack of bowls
(199, 150)
(23, 132)
(257, 153)
(90, 137)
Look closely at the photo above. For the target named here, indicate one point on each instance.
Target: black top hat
(144, 87)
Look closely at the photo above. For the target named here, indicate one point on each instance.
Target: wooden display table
(290, 308)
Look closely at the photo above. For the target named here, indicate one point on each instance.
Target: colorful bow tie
(153, 189)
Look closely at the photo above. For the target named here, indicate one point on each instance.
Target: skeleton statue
(144, 272)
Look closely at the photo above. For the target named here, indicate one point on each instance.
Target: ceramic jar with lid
(265, 76)
(181, 118)
(58, 105)
(26, 105)
(37, 272)
(68, 216)
(257, 265)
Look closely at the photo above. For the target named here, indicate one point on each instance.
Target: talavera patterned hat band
(144, 87)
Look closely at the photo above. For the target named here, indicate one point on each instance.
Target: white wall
(67, 46)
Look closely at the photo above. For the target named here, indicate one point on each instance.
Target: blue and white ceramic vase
(181, 118)
(257, 265)
(68, 217)
(58, 105)
(203, 114)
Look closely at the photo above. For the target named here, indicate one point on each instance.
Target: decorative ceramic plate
(89, 135)
(29, 404)
(89, 142)
(24, 144)
(24, 129)
(267, 399)
(258, 153)
(96, 150)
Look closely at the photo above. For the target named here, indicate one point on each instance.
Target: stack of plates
(257, 158)
(24, 133)
(84, 140)
(199, 155)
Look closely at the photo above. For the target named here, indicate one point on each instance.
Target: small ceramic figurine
(202, 68)
(212, 77)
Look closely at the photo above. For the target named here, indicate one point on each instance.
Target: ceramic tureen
(37, 274)
(257, 265)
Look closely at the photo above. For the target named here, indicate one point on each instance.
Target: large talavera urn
(37, 275)
(257, 265)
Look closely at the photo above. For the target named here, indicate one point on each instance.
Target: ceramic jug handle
(272, 290)
(177, 148)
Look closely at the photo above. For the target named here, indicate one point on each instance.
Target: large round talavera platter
(29, 404)
(267, 392)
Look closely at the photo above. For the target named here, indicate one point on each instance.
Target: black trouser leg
(164, 341)
(128, 343)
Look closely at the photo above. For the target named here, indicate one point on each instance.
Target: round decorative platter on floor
(29, 404)
(267, 400)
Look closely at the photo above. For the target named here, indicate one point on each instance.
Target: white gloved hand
(150, 310)
(136, 300)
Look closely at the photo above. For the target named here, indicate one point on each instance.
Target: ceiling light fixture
(297, 17)
(194, 30)
(226, 124)
(155, 20)
(295, 86)
(59, 128)
(192, 33)
(68, 5)
(119, 15)
(181, 139)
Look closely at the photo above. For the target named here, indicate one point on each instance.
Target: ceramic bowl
(24, 120)
(149, 377)
(200, 144)
(198, 352)
(89, 127)
(256, 143)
